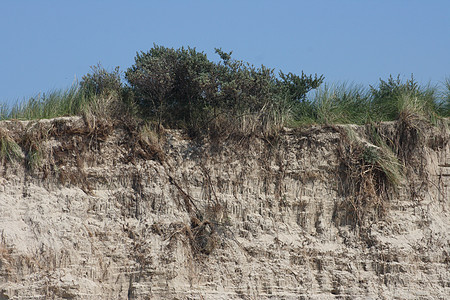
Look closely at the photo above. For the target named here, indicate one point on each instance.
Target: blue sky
(47, 45)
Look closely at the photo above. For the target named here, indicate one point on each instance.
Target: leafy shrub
(9, 149)
(101, 81)
(183, 88)
(171, 85)
(106, 96)
(296, 87)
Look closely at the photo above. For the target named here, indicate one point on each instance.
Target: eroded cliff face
(96, 211)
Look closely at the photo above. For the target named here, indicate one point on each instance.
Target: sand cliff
(94, 210)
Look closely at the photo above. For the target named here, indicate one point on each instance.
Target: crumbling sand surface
(106, 215)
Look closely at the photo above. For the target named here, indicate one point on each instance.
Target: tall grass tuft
(415, 106)
(68, 102)
(407, 101)
(4, 111)
(443, 104)
(391, 100)
(385, 159)
(9, 149)
(341, 103)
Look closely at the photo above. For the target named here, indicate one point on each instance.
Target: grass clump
(443, 105)
(395, 100)
(9, 149)
(57, 103)
(31, 143)
(384, 158)
(99, 93)
(341, 103)
(370, 172)
(390, 100)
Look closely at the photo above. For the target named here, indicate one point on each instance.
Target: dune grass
(391, 100)
(9, 149)
(58, 103)
(443, 105)
(341, 103)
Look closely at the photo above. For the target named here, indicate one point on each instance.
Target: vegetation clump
(370, 172)
(182, 88)
(100, 81)
(9, 149)
(390, 100)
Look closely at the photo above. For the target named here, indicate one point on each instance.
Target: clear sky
(46, 45)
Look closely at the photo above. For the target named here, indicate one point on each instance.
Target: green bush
(100, 81)
(171, 85)
(183, 88)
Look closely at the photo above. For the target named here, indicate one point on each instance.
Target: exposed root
(201, 235)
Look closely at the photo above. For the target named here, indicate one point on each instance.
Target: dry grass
(32, 142)
(9, 149)
(383, 157)
(374, 162)
(370, 172)
(146, 142)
